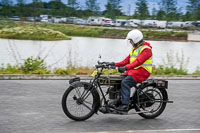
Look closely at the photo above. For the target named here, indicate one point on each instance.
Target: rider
(138, 66)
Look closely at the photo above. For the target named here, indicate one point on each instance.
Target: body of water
(84, 51)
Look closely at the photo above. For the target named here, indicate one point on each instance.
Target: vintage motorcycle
(82, 99)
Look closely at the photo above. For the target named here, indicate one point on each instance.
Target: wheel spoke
(88, 102)
(87, 106)
(78, 92)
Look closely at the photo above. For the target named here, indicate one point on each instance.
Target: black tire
(147, 103)
(74, 106)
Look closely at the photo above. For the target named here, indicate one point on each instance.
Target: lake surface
(84, 51)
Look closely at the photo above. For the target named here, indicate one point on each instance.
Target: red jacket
(139, 74)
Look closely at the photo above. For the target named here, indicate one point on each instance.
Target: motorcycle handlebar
(104, 65)
(100, 66)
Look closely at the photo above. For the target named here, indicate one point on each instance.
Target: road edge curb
(86, 77)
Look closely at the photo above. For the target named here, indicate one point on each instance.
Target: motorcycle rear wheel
(152, 102)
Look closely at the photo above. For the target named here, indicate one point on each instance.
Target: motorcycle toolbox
(160, 83)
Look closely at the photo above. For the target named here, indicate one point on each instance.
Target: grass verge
(77, 30)
(32, 33)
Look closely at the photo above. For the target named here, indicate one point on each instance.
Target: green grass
(197, 71)
(32, 33)
(36, 67)
(77, 30)
(161, 70)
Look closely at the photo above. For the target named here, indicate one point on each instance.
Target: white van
(96, 20)
(161, 24)
(130, 23)
(173, 24)
(120, 22)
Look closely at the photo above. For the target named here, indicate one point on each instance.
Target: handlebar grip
(99, 66)
(112, 67)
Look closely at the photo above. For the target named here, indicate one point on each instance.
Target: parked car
(57, 20)
(120, 22)
(175, 24)
(130, 24)
(149, 23)
(135, 21)
(30, 19)
(97, 21)
(71, 20)
(15, 18)
(107, 22)
(46, 18)
(80, 21)
(189, 24)
(63, 20)
(197, 23)
(161, 24)
(111, 23)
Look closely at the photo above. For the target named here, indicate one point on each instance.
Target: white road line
(141, 131)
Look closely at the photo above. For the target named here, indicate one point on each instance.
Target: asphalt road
(34, 106)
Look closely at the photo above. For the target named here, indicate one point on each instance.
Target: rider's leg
(126, 85)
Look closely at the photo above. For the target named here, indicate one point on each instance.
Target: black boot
(104, 109)
(122, 108)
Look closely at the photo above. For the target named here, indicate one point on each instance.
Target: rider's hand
(112, 65)
(122, 69)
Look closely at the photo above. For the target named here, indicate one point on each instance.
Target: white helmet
(135, 35)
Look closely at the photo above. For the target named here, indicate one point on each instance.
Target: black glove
(112, 65)
(122, 69)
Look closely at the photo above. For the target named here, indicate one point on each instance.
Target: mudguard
(94, 91)
(160, 84)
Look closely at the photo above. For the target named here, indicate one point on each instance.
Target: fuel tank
(111, 79)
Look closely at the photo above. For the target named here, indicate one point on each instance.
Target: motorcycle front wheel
(78, 103)
(152, 102)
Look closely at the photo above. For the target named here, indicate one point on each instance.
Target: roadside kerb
(86, 77)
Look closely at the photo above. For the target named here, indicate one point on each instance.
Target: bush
(197, 71)
(34, 66)
(70, 70)
(10, 69)
(161, 70)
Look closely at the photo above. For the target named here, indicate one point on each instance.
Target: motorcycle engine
(114, 95)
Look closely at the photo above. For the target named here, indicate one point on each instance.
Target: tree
(73, 4)
(113, 8)
(169, 7)
(160, 15)
(37, 7)
(92, 5)
(57, 8)
(21, 9)
(193, 8)
(187, 16)
(141, 11)
(6, 8)
(72, 9)
(154, 12)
